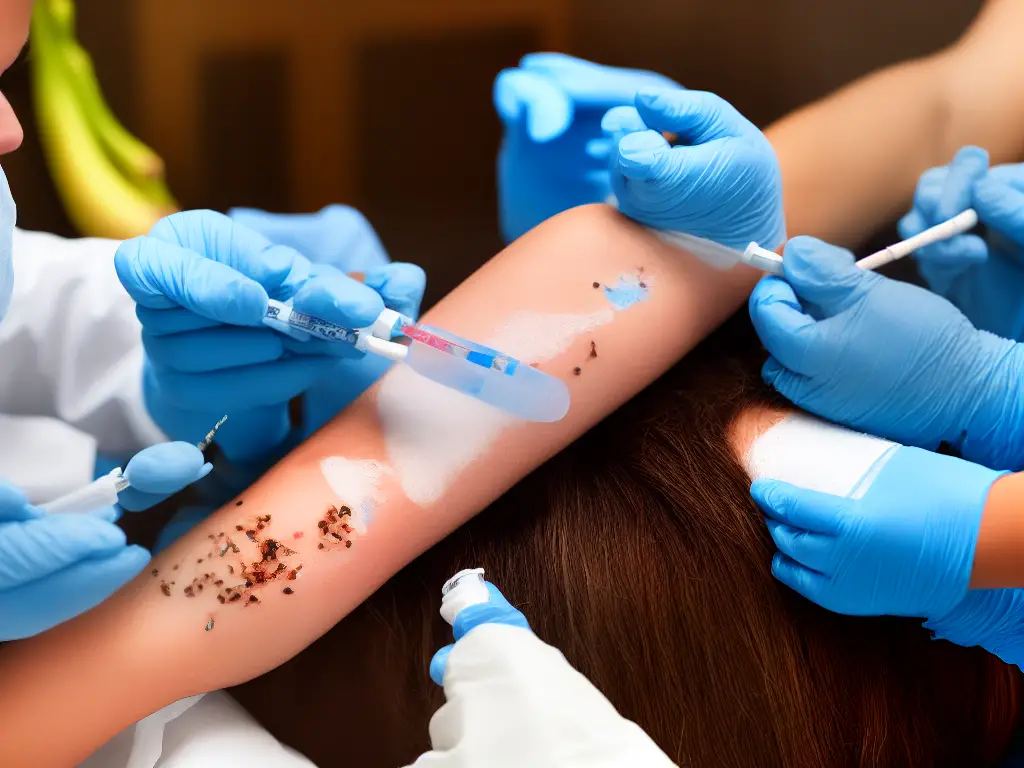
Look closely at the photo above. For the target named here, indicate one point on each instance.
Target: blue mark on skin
(630, 290)
(367, 508)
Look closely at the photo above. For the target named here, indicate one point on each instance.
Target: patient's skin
(191, 623)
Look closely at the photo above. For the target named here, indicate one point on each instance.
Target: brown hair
(639, 553)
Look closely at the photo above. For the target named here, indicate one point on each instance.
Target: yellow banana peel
(111, 184)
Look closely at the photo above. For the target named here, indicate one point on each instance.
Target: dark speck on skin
(577, 371)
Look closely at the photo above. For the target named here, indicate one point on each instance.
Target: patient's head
(639, 554)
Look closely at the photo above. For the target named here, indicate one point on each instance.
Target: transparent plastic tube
(526, 393)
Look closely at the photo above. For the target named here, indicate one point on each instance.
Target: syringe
(482, 373)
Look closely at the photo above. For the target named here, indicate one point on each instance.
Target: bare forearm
(402, 467)
(850, 162)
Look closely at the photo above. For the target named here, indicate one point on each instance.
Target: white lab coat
(70, 366)
(212, 731)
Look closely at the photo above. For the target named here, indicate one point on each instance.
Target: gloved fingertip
(598, 149)
(622, 120)
(652, 98)
(207, 469)
(400, 285)
(439, 663)
(640, 153)
(770, 371)
(544, 125)
(759, 489)
(14, 505)
(972, 157)
(506, 96)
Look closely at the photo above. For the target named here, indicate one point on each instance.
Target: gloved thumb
(643, 155)
(696, 117)
(823, 276)
(520, 95)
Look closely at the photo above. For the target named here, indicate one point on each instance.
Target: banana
(110, 183)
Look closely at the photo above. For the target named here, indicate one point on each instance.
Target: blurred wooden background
(290, 106)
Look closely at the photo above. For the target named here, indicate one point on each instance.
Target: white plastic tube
(462, 590)
(771, 262)
(96, 495)
(957, 225)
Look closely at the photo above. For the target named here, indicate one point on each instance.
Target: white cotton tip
(462, 590)
(764, 260)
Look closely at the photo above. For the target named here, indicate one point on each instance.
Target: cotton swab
(771, 262)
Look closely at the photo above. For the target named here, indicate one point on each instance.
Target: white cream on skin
(433, 433)
(356, 483)
(819, 456)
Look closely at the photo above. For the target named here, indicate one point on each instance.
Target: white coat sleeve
(71, 345)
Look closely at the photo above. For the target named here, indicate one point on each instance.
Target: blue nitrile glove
(202, 283)
(990, 618)
(159, 472)
(341, 237)
(337, 235)
(983, 277)
(722, 182)
(554, 156)
(57, 566)
(904, 548)
(497, 611)
(888, 357)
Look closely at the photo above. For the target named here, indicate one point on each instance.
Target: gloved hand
(341, 237)
(983, 277)
(554, 156)
(57, 566)
(992, 619)
(887, 357)
(904, 548)
(160, 471)
(337, 235)
(513, 700)
(722, 182)
(202, 284)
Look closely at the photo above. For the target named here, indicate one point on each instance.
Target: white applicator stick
(962, 222)
(771, 262)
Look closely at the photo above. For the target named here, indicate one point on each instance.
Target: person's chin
(11, 133)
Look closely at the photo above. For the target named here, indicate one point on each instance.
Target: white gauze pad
(819, 456)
